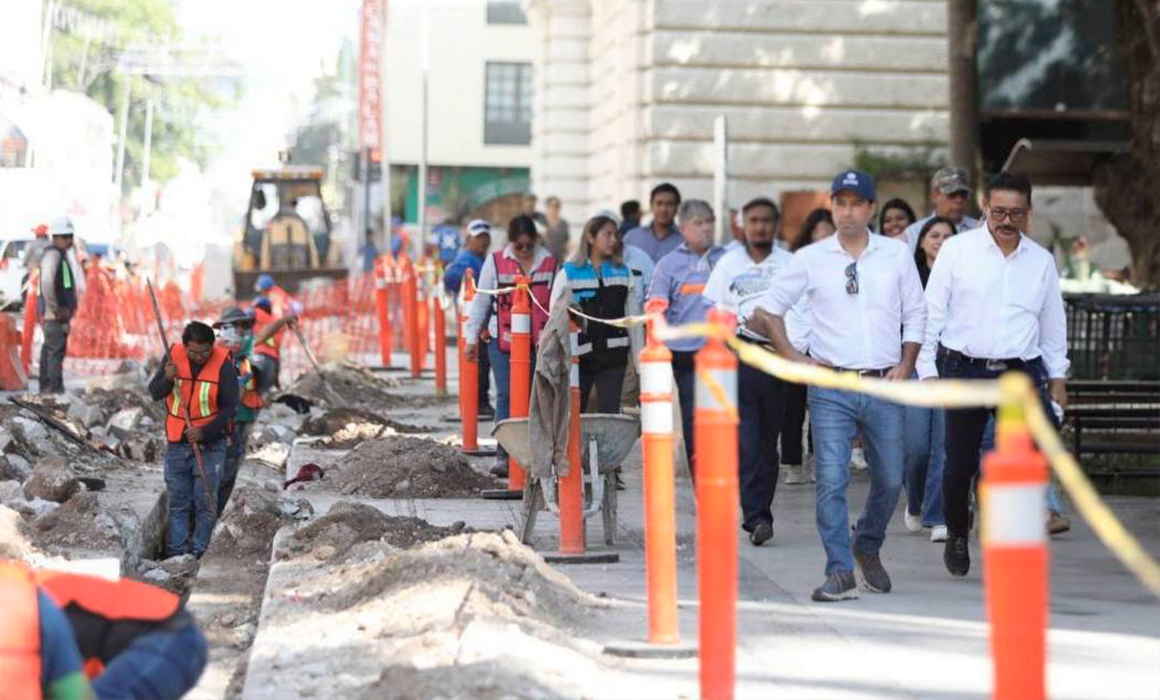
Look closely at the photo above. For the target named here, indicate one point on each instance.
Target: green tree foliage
(86, 48)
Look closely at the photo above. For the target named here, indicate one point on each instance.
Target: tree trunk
(962, 40)
(1127, 189)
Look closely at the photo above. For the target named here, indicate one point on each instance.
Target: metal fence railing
(1113, 336)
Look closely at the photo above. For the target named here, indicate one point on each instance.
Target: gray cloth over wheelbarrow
(551, 400)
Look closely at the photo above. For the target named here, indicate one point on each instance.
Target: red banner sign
(370, 114)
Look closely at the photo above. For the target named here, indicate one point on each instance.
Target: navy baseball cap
(860, 184)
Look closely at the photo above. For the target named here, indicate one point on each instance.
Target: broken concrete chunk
(11, 491)
(126, 419)
(8, 471)
(52, 479)
(85, 414)
(6, 439)
(32, 430)
(20, 465)
(157, 575)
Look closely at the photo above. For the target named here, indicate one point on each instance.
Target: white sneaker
(858, 460)
(811, 469)
(794, 474)
(913, 522)
(938, 533)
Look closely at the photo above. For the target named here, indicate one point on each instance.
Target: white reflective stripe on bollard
(656, 378)
(574, 375)
(706, 398)
(1014, 515)
(656, 417)
(521, 323)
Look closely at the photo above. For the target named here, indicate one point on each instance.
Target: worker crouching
(200, 388)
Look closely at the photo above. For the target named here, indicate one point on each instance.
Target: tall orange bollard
(715, 434)
(469, 376)
(521, 370)
(29, 328)
(439, 314)
(411, 317)
(570, 489)
(660, 526)
(424, 316)
(1015, 557)
(382, 307)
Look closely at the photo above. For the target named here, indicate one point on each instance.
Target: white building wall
(799, 80)
(461, 44)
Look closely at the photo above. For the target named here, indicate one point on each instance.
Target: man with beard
(993, 305)
(740, 278)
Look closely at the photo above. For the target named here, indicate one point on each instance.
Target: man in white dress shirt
(741, 277)
(867, 316)
(993, 304)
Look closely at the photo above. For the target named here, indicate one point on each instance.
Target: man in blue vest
(57, 304)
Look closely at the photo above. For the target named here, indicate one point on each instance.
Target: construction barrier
(382, 310)
(439, 314)
(468, 372)
(520, 370)
(660, 529)
(570, 493)
(715, 436)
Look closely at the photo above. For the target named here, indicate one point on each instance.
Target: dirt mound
(251, 519)
(405, 467)
(80, 521)
(503, 578)
(346, 428)
(480, 681)
(357, 387)
(348, 523)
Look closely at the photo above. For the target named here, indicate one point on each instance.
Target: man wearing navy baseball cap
(867, 316)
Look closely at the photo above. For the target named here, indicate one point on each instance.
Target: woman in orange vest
(198, 383)
(235, 333)
(526, 256)
(133, 639)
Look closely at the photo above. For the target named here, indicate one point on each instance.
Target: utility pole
(962, 48)
(424, 48)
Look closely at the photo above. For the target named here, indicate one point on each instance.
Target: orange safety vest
(199, 396)
(20, 664)
(272, 346)
(251, 398)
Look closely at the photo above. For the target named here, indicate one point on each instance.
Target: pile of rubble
(348, 523)
(352, 386)
(345, 428)
(401, 466)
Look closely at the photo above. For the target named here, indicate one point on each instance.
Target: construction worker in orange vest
(280, 300)
(267, 355)
(197, 381)
(80, 636)
(235, 333)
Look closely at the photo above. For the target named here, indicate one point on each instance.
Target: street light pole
(425, 45)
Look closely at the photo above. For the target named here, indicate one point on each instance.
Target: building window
(505, 12)
(508, 104)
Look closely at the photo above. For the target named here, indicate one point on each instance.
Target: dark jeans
(794, 400)
(52, 354)
(187, 492)
(267, 372)
(760, 410)
(484, 364)
(163, 664)
(685, 377)
(964, 437)
(608, 379)
(235, 453)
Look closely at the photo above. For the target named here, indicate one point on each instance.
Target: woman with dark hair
(924, 430)
(798, 470)
(598, 283)
(930, 238)
(895, 216)
(818, 225)
(523, 256)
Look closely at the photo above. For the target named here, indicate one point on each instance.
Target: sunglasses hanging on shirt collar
(852, 278)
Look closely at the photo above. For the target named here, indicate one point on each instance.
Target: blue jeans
(235, 453)
(925, 435)
(163, 664)
(836, 417)
(187, 492)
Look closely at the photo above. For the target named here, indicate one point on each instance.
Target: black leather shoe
(957, 556)
(761, 534)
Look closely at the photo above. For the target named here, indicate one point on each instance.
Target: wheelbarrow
(606, 439)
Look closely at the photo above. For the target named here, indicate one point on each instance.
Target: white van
(14, 272)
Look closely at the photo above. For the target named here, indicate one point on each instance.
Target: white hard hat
(62, 226)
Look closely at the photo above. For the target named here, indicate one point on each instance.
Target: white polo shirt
(914, 229)
(854, 331)
(991, 306)
(738, 282)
